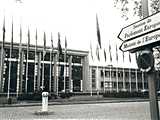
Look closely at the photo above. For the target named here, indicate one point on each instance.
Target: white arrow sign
(141, 27)
(141, 41)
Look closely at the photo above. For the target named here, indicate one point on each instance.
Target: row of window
(120, 74)
(31, 56)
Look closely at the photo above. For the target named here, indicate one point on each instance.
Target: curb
(74, 102)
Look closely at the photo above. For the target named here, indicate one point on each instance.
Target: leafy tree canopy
(125, 9)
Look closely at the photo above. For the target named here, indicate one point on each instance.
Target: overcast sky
(75, 19)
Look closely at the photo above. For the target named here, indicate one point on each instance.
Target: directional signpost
(141, 33)
(142, 36)
(135, 44)
(140, 28)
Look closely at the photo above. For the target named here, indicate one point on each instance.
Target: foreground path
(109, 111)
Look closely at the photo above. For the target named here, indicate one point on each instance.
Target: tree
(124, 6)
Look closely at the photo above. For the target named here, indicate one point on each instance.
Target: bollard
(44, 101)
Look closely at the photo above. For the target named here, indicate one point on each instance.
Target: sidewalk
(76, 100)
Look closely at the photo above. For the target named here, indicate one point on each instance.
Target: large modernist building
(117, 79)
(27, 70)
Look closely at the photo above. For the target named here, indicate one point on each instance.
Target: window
(106, 73)
(101, 73)
(76, 59)
(102, 84)
(113, 73)
(93, 78)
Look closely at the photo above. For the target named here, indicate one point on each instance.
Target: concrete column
(55, 73)
(85, 74)
(39, 71)
(70, 74)
(90, 78)
(35, 72)
(20, 72)
(1, 68)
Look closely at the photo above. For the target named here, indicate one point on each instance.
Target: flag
(65, 43)
(91, 52)
(136, 54)
(20, 34)
(36, 37)
(65, 49)
(105, 55)
(110, 52)
(129, 57)
(44, 39)
(4, 30)
(98, 32)
(116, 53)
(59, 44)
(28, 38)
(12, 37)
(97, 53)
(44, 45)
(52, 42)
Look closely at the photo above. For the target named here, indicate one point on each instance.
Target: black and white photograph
(79, 59)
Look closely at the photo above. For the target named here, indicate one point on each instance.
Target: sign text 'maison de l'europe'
(141, 41)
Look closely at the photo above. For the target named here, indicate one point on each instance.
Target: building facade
(116, 79)
(29, 69)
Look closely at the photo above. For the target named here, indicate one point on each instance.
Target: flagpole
(142, 80)
(58, 70)
(44, 48)
(51, 67)
(26, 71)
(59, 50)
(65, 53)
(130, 80)
(103, 69)
(124, 86)
(136, 80)
(110, 68)
(117, 79)
(19, 62)
(10, 56)
(43, 72)
(97, 80)
(65, 72)
(130, 87)
(9, 74)
(110, 78)
(91, 79)
(64, 75)
(91, 68)
(35, 66)
(2, 55)
(26, 86)
(117, 69)
(50, 78)
(1, 68)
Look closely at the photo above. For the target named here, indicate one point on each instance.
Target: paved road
(108, 111)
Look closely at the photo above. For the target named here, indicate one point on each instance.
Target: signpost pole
(154, 110)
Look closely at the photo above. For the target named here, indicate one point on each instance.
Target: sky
(75, 19)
